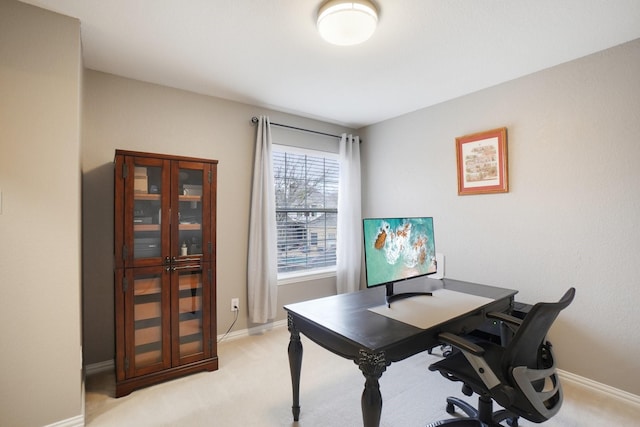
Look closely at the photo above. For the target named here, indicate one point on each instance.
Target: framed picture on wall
(482, 162)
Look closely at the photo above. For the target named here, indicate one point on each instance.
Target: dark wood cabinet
(165, 268)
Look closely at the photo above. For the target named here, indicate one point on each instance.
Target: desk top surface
(348, 317)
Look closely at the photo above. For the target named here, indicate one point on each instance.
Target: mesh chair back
(523, 349)
(528, 362)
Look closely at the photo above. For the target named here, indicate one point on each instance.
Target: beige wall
(132, 115)
(570, 217)
(40, 82)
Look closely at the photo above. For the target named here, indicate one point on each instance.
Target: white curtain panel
(349, 234)
(262, 263)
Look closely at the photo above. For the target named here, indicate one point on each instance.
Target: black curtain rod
(254, 120)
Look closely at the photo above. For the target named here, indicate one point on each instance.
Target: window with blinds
(306, 184)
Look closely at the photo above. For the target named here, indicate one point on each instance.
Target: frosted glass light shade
(346, 23)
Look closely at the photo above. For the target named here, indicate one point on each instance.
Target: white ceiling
(268, 52)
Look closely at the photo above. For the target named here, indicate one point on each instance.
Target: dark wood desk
(343, 325)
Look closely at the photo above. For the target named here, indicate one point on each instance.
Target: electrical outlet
(235, 304)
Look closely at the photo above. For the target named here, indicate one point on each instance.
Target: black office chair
(520, 376)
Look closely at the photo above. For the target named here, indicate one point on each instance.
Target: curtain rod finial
(254, 120)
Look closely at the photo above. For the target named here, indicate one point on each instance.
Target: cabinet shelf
(189, 198)
(146, 227)
(151, 322)
(147, 286)
(146, 196)
(154, 347)
(189, 227)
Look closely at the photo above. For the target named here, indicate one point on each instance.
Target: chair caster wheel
(450, 408)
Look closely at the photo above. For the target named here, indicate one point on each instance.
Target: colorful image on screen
(398, 249)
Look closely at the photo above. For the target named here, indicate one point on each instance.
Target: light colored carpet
(252, 388)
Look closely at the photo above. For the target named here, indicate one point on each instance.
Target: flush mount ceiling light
(346, 23)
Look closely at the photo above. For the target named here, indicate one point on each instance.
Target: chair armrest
(461, 343)
(475, 356)
(505, 318)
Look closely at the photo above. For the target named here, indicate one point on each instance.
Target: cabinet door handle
(182, 267)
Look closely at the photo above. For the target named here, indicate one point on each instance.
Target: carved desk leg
(295, 365)
(372, 366)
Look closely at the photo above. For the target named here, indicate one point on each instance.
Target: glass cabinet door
(147, 208)
(147, 296)
(189, 212)
(191, 291)
(190, 195)
(147, 212)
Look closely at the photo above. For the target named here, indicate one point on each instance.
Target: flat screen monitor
(397, 249)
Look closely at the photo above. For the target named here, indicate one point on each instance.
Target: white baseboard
(610, 392)
(258, 330)
(94, 368)
(107, 365)
(77, 421)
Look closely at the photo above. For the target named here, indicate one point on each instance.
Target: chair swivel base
(481, 417)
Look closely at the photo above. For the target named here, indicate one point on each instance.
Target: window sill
(305, 276)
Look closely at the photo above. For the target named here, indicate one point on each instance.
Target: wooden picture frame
(482, 162)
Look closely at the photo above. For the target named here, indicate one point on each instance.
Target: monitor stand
(390, 296)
